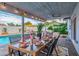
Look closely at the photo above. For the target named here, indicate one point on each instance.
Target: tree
(28, 24)
(18, 25)
(39, 29)
(11, 24)
(50, 28)
(4, 29)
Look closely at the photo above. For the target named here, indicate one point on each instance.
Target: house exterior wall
(76, 40)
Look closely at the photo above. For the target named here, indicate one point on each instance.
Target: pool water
(4, 40)
(9, 38)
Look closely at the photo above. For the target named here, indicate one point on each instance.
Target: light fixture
(16, 11)
(3, 6)
(32, 17)
(36, 18)
(25, 14)
(40, 19)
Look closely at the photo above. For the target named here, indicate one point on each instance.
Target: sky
(6, 17)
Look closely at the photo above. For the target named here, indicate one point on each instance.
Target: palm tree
(39, 27)
(4, 29)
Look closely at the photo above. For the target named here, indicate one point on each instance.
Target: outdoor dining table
(32, 50)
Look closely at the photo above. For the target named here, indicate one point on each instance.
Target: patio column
(22, 29)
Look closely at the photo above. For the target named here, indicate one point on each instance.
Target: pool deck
(3, 50)
(1, 44)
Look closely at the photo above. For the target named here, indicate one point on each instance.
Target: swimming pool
(9, 38)
(4, 40)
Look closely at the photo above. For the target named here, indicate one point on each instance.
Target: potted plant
(4, 31)
(39, 30)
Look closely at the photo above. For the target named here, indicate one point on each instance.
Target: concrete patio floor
(68, 44)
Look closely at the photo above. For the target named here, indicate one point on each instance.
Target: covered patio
(37, 29)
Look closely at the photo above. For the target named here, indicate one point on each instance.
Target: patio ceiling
(46, 10)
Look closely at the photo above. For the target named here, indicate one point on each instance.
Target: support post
(23, 29)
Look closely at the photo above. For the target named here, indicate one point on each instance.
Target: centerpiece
(22, 44)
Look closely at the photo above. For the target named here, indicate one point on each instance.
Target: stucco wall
(76, 14)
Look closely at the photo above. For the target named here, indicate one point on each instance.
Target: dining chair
(15, 53)
(47, 46)
(53, 45)
(50, 48)
(46, 50)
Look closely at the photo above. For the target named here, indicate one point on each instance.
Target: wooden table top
(28, 49)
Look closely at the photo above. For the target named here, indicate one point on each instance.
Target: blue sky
(6, 17)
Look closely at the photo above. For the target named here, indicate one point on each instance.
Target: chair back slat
(52, 46)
